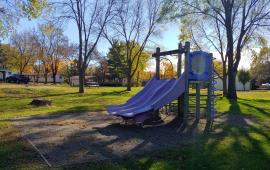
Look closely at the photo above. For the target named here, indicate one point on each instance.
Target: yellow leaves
(218, 67)
(143, 57)
(185, 31)
(146, 75)
(12, 56)
(34, 8)
(47, 29)
(28, 69)
(167, 70)
(62, 66)
(265, 51)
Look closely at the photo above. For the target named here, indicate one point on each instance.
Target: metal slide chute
(153, 96)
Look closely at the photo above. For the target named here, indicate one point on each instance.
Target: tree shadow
(260, 110)
(100, 137)
(16, 153)
(230, 144)
(60, 94)
(236, 140)
(114, 93)
(41, 95)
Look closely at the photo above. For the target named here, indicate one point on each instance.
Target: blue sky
(167, 40)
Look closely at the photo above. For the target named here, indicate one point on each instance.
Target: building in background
(238, 84)
(41, 78)
(4, 73)
(91, 80)
(74, 80)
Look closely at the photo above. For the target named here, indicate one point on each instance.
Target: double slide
(153, 96)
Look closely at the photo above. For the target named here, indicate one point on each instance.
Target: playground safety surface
(69, 138)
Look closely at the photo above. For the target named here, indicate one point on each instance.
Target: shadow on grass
(105, 137)
(114, 93)
(263, 101)
(15, 153)
(260, 110)
(39, 96)
(60, 94)
(236, 142)
(235, 108)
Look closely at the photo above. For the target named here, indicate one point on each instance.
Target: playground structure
(198, 70)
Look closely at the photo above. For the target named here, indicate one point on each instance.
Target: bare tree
(46, 47)
(90, 18)
(70, 61)
(37, 64)
(53, 48)
(134, 24)
(60, 46)
(240, 20)
(204, 38)
(25, 45)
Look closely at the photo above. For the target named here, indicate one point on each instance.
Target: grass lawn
(235, 148)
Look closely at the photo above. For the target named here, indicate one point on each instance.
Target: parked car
(92, 84)
(266, 85)
(18, 78)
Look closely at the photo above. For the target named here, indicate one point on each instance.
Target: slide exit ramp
(153, 96)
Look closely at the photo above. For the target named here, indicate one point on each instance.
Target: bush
(243, 77)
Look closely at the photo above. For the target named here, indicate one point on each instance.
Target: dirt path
(81, 137)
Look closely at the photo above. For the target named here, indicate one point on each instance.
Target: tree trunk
(225, 89)
(244, 87)
(231, 69)
(137, 81)
(68, 75)
(103, 77)
(81, 80)
(224, 80)
(233, 72)
(129, 82)
(80, 59)
(230, 49)
(46, 78)
(54, 78)
(129, 76)
(231, 87)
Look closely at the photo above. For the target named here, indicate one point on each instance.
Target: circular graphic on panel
(198, 64)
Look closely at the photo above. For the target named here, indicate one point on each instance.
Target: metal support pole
(198, 100)
(180, 100)
(157, 73)
(186, 94)
(209, 91)
(179, 63)
(157, 63)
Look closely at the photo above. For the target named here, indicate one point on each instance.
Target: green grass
(14, 99)
(235, 147)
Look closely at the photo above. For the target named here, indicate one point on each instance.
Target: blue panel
(199, 65)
